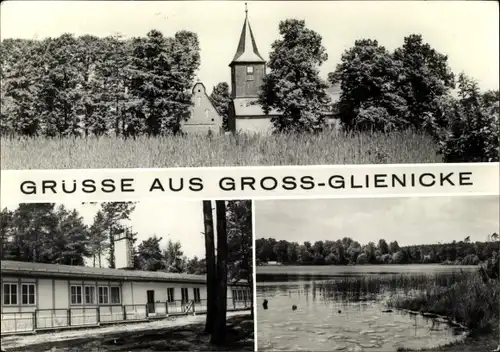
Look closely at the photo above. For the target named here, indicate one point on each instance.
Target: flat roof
(16, 268)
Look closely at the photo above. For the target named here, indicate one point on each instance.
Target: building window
(235, 296)
(28, 294)
(196, 292)
(89, 295)
(115, 295)
(170, 294)
(184, 295)
(198, 101)
(250, 73)
(240, 295)
(207, 112)
(76, 294)
(9, 294)
(103, 295)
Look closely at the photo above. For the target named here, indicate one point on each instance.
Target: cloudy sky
(465, 30)
(407, 220)
(176, 220)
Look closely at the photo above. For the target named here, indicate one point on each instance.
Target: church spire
(247, 48)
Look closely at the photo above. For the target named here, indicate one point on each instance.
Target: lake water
(340, 321)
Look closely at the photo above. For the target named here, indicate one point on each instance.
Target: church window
(250, 73)
(206, 113)
(198, 101)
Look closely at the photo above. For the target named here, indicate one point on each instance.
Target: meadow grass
(331, 147)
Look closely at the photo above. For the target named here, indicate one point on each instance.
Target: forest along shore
(179, 334)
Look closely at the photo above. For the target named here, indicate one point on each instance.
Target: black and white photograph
(146, 84)
(122, 276)
(378, 274)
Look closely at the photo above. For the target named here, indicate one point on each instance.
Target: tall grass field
(326, 148)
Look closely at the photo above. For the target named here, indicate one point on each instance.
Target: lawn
(196, 151)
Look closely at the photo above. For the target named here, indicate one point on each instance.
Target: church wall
(257, 125)
(204, 117)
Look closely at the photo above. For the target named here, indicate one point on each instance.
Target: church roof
(247, 48)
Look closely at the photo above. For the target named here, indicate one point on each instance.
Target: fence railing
(40, 319)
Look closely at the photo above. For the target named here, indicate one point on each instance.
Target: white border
(483, 180)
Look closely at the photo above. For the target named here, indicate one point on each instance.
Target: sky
(417, 220)
(176, 220)
(467, 31)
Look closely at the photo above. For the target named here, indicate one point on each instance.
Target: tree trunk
(210, 263)
(219, 331)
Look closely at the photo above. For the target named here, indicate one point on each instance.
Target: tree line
(347, 251)
(90, 86)
(82, 86)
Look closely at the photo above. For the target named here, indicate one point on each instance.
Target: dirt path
(173, 334)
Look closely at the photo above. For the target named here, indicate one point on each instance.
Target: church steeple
(248, 67)
(247, 48)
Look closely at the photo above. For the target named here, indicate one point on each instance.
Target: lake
(338, 311)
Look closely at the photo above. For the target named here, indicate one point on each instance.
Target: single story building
(39, 296)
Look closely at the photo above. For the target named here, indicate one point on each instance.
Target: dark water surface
(352, 319)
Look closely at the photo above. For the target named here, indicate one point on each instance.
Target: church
(248, 69)
(247, 74)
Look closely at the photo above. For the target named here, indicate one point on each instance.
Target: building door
(184, 295)
(151, 301)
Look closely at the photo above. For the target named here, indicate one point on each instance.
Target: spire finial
(246, 10)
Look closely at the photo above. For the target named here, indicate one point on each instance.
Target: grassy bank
(470, 302)
(240, 337)
(194, 151)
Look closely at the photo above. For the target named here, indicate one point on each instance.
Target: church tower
(248, 67)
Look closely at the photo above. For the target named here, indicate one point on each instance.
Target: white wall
(260, 125)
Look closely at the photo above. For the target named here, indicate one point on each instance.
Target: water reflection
(342, 314)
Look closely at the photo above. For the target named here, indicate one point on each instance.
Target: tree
(174, 256)
(383, 246)
(239, 242)
(5, 230)
(368, 77)
(20, 87)
(471, 132)
(293, 86)
(196, 266)
(162, 74)
(40, 233)
(221, 98)
(219, 329)
(211, 266)
(98, 238)
(71, 239)
(150, 256)
(425, 78)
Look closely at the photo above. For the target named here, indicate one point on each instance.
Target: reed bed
(464, 297)
(331, 147)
